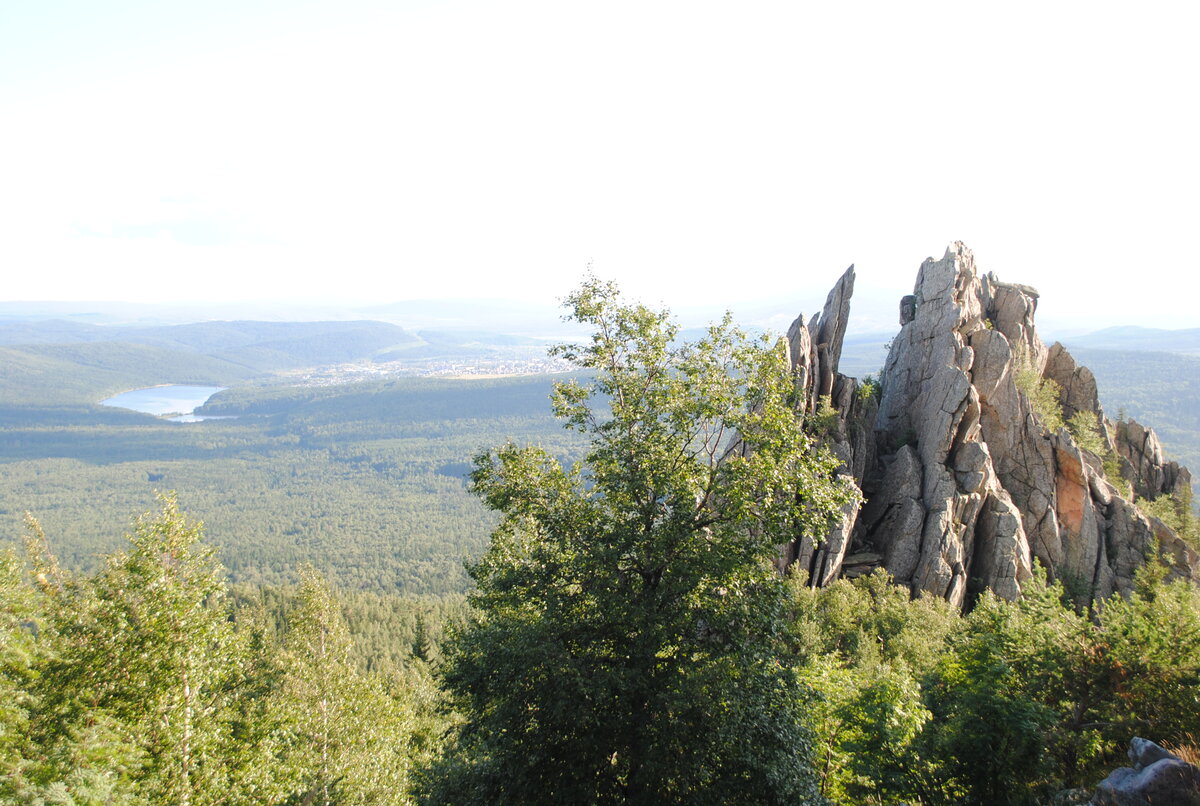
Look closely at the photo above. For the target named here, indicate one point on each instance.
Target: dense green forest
(901, 701)
(619, 647)
(147, 682)
(366, 481)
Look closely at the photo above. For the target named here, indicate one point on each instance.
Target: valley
(358, 466)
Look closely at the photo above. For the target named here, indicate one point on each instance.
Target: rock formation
(966, 486)
(1157, 777)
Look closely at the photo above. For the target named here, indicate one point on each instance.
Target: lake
(160, 400)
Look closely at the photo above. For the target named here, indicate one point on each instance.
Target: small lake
(160, 400)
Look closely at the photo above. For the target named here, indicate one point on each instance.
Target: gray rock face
(815, 349)
(965, 484)
(1157, 778)
(1078, 384)
(1143, 462)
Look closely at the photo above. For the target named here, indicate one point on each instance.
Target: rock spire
(966, 483)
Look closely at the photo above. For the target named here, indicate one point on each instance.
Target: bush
(1085, 430)
(1043, 394)
(1175, 510)
(824, 421)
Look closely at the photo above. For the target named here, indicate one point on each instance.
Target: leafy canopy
(626, 645)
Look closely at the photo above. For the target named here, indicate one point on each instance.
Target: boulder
(1157, 778)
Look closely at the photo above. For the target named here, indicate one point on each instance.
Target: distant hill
(1128, 338)
(57, 360)
(304, 342)
(84, 373)
(461, 344)
(51, 331)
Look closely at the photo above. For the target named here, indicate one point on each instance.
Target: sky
(700, 154)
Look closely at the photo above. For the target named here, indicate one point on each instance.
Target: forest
(365, 481)
(152, 680)
(341, 629)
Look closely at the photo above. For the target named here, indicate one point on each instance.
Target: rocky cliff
(964, 455)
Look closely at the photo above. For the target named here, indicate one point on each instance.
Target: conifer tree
(136, 688)
(346, 734)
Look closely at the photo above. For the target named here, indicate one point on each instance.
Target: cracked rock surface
(965, 485)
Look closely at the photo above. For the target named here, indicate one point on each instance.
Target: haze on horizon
(701, 156)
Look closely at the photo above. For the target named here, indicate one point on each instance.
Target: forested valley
(340, 628)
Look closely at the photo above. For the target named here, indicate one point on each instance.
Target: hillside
(258, 346)
(85, 372)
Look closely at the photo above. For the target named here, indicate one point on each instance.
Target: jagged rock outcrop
(815, 350)
(1143, 464)
(966, 486)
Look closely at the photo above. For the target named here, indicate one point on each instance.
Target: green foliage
(1112, 472)
(989, 734)
(1043, 393)
(1085, 430)
(824, 421)
(1176, 511)
(868, 618)
(20, 656)
(870, 389)
(911, 703)
(138, 685)
(864, 647)
(344, 735)
(623, 647)
(136, 679)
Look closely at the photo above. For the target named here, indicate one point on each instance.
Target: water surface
(160, 400)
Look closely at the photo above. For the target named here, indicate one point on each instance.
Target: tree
(626, 641)
(345, 737)
(864, 646)
(134, 694)
(20, 654)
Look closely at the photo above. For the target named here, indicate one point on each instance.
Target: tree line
(142, 684)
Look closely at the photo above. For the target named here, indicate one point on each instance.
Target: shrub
(1175, 510)
(1043, 394)
(1085, 430)
(824, 421)
(870, 389)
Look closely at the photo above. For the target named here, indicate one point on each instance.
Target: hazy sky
(696, 152)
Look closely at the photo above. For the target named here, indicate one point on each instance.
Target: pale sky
(698, 153)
